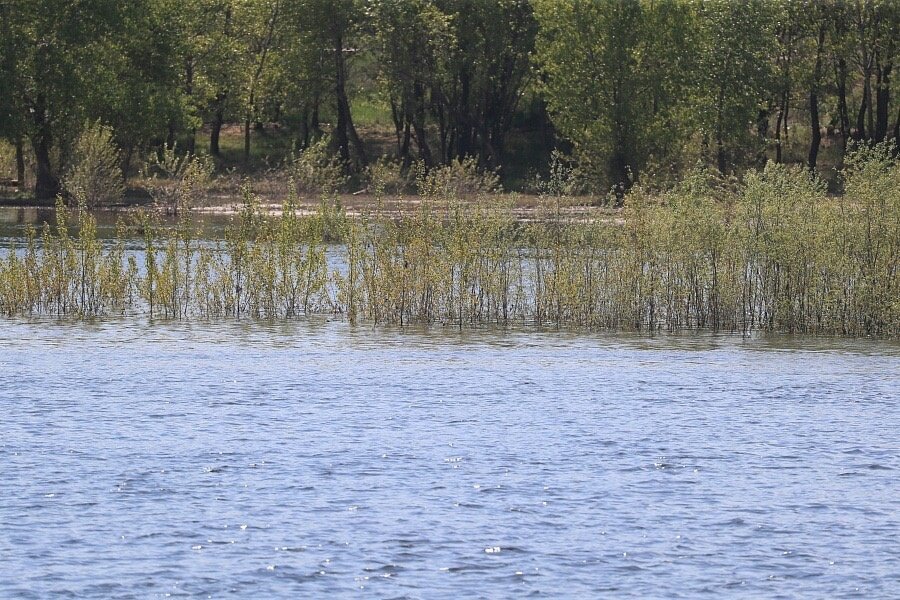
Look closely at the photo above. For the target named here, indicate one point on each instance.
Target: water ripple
(317, 458)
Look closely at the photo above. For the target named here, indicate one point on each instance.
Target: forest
(620, 91)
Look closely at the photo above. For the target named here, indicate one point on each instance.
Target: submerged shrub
(563, 179)
(460, 178)
(773, 253)
(316, 170)
(871, 234)
(387, 177)
(94, 175)
(179, 181)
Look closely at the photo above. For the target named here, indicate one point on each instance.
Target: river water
(301, 459)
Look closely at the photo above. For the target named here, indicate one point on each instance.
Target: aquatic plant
(178, 182)
(775, 252)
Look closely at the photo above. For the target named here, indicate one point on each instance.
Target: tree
(489, 68)
(615, 73)
(55, 55)
(840, 53)
(789, 30)
(147, 94)
(324, 32)
(220, 66)
(258, 23)
(415, 44)
(70, 63)
(12, 122)
(819, 27)
(884, 52)
(735, 73)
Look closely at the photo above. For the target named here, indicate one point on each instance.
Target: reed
(774, 252)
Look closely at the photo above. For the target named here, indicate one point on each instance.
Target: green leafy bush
(94, 176)
(179, 182)
(317, 170)
(459, 178)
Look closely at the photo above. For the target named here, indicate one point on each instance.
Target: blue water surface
(301, 459)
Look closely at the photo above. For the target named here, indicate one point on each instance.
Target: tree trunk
(251, 99)
(870, 112)
(463, 128)
(861, 115)
(405, 158)
(762, 132)
(721, 157)
(339, 136)
(497, 145)
(843, 110)
(882, 101)
(315, 124)
(46, 185)
(303, 138)
(189, 91)
(20, 163)
(215, 131)
(419, 126)
(897, 128)
(443, 131)
(127, 157)
(619, 162)
(397, 118)
(345, 132)
(422, 143)
(815, 130)
(815, 126)
(778, 125)
(247, 139)
(787, 111)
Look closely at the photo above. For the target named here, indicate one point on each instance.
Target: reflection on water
(19, 216)
(14, 219)
(299, 459)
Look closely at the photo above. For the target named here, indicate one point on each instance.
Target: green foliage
(871, 236)
(416, 42)
(7, 161)
(317, 170)
(563, 179)
(614, 80)
(459, 179)
(633, 90)
(388, 177)
(179, 181)
(489, 70)
(735, 73)
(94, 175)
(774, 253)
(65, 63)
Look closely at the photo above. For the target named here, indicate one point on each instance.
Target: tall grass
(772, 253)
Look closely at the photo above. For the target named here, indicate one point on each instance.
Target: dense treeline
(630, 89)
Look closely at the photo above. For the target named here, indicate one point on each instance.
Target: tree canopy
(628, 88)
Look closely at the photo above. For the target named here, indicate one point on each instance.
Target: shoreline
(524, 207)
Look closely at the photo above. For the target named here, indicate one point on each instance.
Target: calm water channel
(146, 459)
